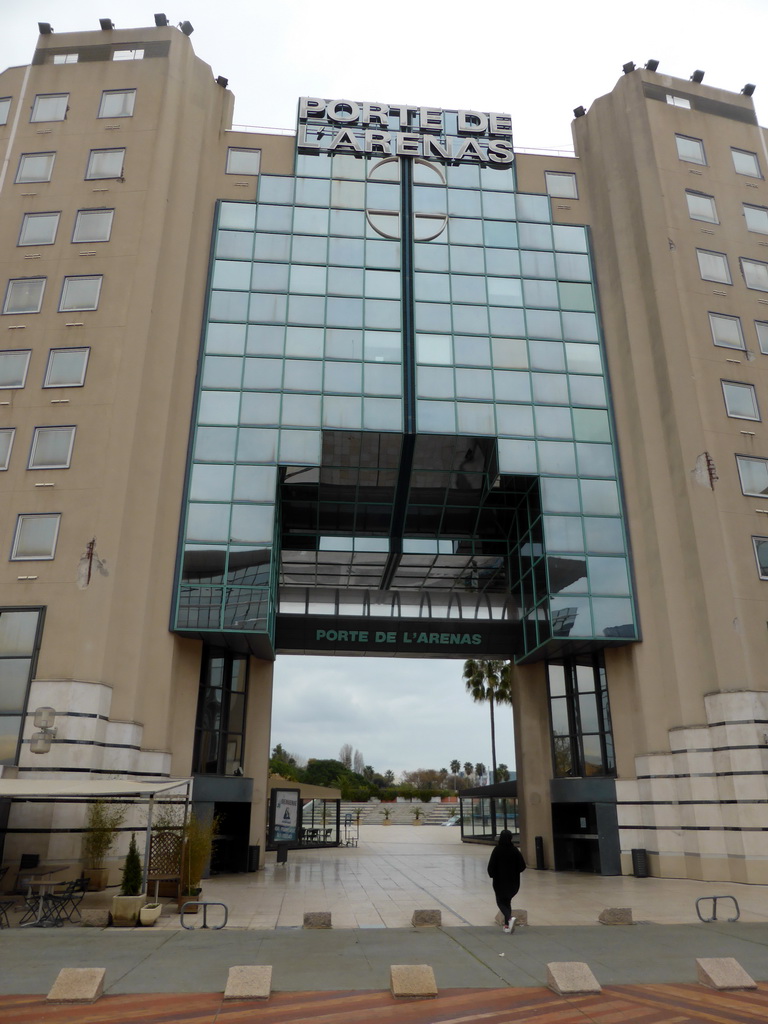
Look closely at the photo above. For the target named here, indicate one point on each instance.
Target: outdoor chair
(30, 907)
(5, 906)
(27, 864)
(71, 896)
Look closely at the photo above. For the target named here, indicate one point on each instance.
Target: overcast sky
(536, 62)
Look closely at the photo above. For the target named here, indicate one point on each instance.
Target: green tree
(455, 766)
(502, 773)
(479, 769)
(389, 777)
(489, 681)
(132, 873)
(468, 768)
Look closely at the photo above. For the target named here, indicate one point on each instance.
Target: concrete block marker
(249, 982)
(520, 916)
(427, 919)
(412, 981)
(722, 972)
(78, 985)
(616, 915)
(318, 919)
(94, 918)
(572, 978)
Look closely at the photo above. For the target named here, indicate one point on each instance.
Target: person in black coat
(505, 867)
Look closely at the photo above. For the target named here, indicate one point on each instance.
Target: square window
(117, 103)
(690, 150)
(243, 161)
(726, 331)
(740, 401)
(105, 163)
(66, 368)
(25, 295)
(13, 368)
(51, 447)
(50, 108)
(753, 475)
(93, 226)
(39, 229)
(6, 443)
(745, 162)
(35, 167)
(35, 537)
(80, 293)
(761, 329)
(755, 274)
(701, 207)
(760, 545)
(756, 218)
(713, 266)
(5, 109)
(134, 54)
(64, 58)
(561, 185)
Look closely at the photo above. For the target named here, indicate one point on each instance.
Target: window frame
(761, 573)
(98, 210)
(89, 176)
(11, 351)
(760, 209)
(713, 317)
(752, 458)
(573, 742)
(691, 193)
(36, 435)
(130, 53)
(6, 102)
(762, 335)
(20, 520)
(685, 159)
(723, 256)
(746, 262)
(80, 277)
(561, 175)
(243, 149)
(49, 364)
(28, 217)
(9, 289)
(48, 96)
(18, 180)
(12, 432)
(746, 152)
(740, 384)
(116, 92)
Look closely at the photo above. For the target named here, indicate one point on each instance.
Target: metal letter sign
(365, 129)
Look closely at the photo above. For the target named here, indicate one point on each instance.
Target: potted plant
(103, 819)
(386, 813)
(199, 835)
(417, 813)
(149, 913)
(126, 906)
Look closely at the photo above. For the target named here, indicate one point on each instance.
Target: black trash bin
(538, 843)
(254, 855)
(640, 863)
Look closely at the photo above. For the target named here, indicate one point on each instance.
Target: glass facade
(403, 406)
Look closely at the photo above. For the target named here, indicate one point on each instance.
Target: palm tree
(489, 681)
(468, 769)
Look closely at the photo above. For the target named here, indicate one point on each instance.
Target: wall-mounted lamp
(40, 743)
(106, 24)
(697, 76)
(44, 28)
(628, 68)
(186, 28)
(223, 82)
(579, 111)
(652, 65)
(161, 21)
(748, 89)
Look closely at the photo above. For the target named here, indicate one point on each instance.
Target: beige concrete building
(384, 388)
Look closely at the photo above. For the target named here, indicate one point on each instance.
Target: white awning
(88, 788)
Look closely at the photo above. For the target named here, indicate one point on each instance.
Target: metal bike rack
(204, 905)
(714, 899)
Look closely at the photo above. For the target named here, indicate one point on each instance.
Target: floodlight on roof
(579, 111)
(652, 65)
(161, 21)
(628, 68)
(106, 24)
(748, 89)
(44, 28)
(222, 81)
(186, 28)
(697, 76)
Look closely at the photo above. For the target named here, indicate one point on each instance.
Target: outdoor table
(42, 881)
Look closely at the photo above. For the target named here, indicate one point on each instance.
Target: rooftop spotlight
(748, 89)
(44, 28)
(160, 20)
(652, 65)
(697, 76)
(628, 68)
(579, 111)
(106, 24)
(186, 28)
(223, 82)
